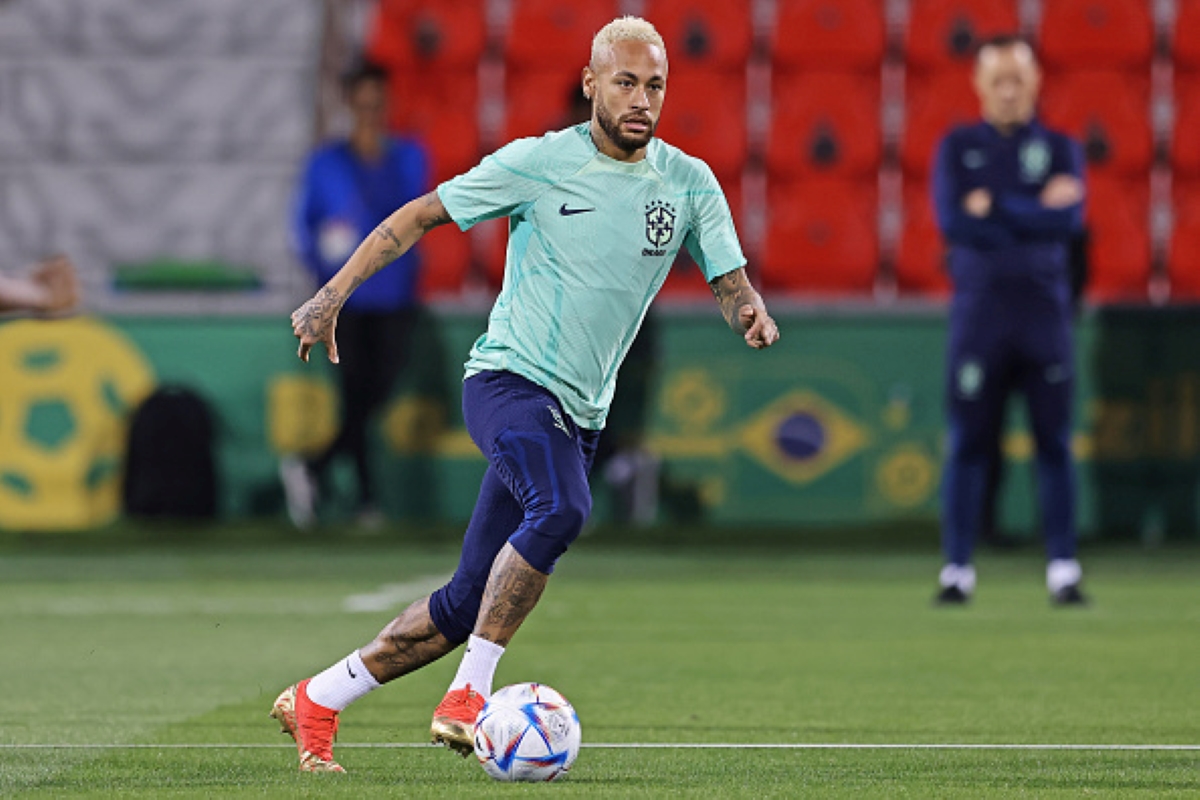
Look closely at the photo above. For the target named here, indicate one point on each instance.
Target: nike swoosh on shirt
(567, 212)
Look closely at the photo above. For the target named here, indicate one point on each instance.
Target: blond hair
(625, 29)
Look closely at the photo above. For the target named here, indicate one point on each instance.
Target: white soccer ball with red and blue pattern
(527, 732)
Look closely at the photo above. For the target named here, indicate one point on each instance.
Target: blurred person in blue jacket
(1009, 199)
(348, 187)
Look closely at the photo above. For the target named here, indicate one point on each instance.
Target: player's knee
(569, 516)
(546, 535)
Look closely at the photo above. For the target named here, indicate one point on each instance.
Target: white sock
(1061, 573)
(342, 684)
(960, 575)
(478, 666)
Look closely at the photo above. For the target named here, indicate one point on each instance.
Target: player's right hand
(316, 321)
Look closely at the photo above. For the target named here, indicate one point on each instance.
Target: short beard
(612, 129)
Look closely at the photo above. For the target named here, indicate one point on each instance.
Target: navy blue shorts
(535, 492)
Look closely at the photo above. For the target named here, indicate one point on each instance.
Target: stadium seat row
(821, 123)
(804, 34)
(822, 238)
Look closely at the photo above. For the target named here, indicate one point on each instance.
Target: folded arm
(1057, 211)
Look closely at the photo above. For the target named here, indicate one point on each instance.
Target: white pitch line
(391, 595)
(634, 746)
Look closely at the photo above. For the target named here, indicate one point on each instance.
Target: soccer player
(597, 212)
(1009, 196)
(52, 288)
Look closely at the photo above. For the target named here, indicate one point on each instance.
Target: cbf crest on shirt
(1034, 160)
(660, 226)
(591, 240)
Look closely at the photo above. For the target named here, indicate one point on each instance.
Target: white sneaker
(1061, 573)
(959, 576)
(300, 490)
(956, 584)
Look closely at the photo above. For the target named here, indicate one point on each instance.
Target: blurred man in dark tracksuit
(1009, 198)
(348, 187)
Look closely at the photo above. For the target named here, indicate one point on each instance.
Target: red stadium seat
(447, 34)
(828, 34)
(825, 123)
(705, 116)
(1186, 46)
(1106, 34)
(822, 237)
(921, 255)
(1118, 239)
(449, 128)
(1185, 143)
(1183, 257)
(685, 281)
(934, 104)
(552, 34)
(445, 258)
(541, 101)
(1109, 112)
(944, 33)
(712, 33)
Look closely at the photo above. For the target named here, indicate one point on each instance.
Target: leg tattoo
(513, 589)
(409, 642)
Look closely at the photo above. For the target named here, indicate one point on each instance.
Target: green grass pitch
(169, 656)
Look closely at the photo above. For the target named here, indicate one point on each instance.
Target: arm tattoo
(396, 245)
(440, 217)
(385, 231)
(393, 248)
(733, 291)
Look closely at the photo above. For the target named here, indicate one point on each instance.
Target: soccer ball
(527, 732)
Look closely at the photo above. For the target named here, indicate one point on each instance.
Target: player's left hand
(761, 330)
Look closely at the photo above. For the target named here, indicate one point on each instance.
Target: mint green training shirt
(590, 241)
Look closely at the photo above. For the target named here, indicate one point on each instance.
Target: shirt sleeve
(712, 239)
(503, 182)
(1029, 217)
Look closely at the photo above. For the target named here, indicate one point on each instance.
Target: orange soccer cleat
(454, 720)
(313, 727)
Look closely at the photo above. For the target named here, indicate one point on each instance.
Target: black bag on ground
(170, 469)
